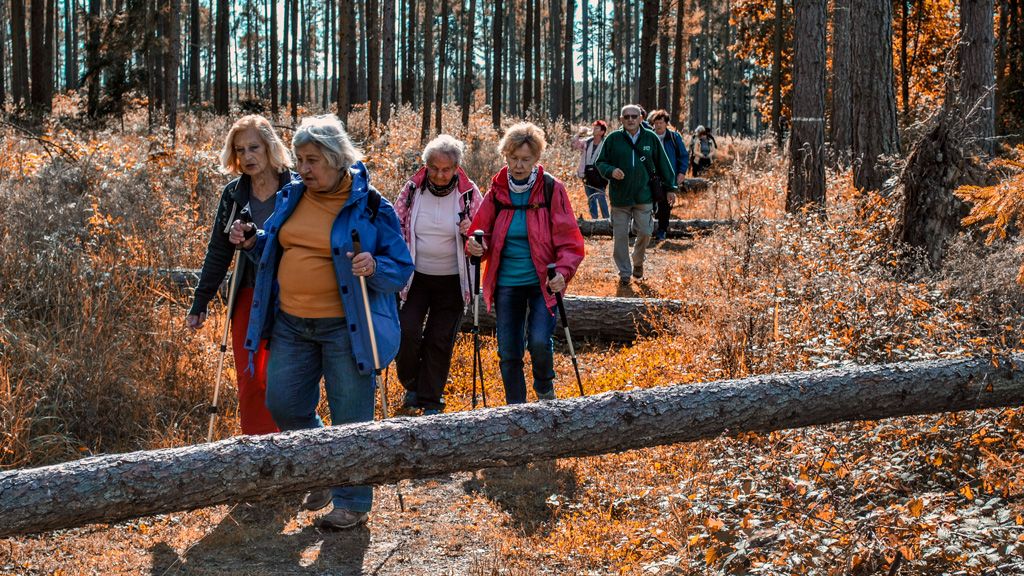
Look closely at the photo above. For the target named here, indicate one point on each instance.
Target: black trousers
(662, 213)
(430, 322)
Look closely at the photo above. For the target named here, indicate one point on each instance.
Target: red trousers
(252, 389)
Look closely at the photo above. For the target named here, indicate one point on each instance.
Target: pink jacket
(407, 209)
(554, 234)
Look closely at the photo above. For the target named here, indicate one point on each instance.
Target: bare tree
(977, 69)
(468, 77)
(807, 142)
(873, 94)
(840, 122)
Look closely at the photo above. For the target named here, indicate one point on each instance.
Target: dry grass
(94, 360)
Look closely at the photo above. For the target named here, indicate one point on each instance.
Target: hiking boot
(431, 412)
(624, 281)
(317, 499)
(660, 234)
(409, 401)
(638, 271)
(342, 519)
(550, 395)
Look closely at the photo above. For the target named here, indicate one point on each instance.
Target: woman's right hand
(475, 248)
(195, 322)
(237, 235)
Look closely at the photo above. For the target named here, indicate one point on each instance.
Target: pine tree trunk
(387, 81)
(285, 67)
(497, 19)
(678, 80)
(294, 64)
(469, 77)
(428, 68)
(872, 92)
(275, 107)
(70, 49)
(904, 62)
(220, 89)
(109, 489)
(840, 122)
(528, 64)
(807, 141)
(92, 56)
(776, 74)
(173, 64)
(195, 45)
(555, 15)
(442, 70)
(649, 54)
(663, 68)
(977, 69)
(37, 33)
(3, 55)
(346, 28)
(568, 100)
(373, 58)
(997, 103)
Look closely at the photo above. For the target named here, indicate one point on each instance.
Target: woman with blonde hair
(528, 223)
(253, 153)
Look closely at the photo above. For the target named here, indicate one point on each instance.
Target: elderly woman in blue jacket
(309, 302)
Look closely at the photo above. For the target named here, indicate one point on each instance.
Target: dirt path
(447, 528)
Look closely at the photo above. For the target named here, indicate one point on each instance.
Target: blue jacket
(678, 156)
(382, 238)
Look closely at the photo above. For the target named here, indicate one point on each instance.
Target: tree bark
(70, 48)
(173, 63)
(442, 70)
(37, 62)
(428, 68)
(776, 74)
(806, 186)
(840, 122)
(118, 487)
(873, 92)
(468, 78)
(220, 89)
(92, 57)
(649, 54)
(678, 80)
(497, 19)
(195, 43)
(977, 70)
(1001, 60)
(676, 229)
(346, 28)
(555, 83)
(528, 65)
(568, 65)
(387, 81)
(372, 20)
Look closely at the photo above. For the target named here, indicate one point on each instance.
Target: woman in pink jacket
(528, 224)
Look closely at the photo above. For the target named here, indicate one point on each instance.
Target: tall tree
(873, 96)
(37, 64)
(497, 18)
(220, 89)
(346, 27)
(776, 73)
(528, 64)
(173, 62)
(649, 54)
(585, 58)
(194, 46)
(469, 77)
(1001, 61)
(663, 68)
(977, 69)
(904, 58)
(285, 68)
(3, 54)
(294, 64)
(275, 107)
(428, 67)
(806, 185)
(92, 57)
(70, 47)
(678, 80)
(840, 122)
(555, 18)
(372, 20)
(568, 67)
(387, 81)
(442, 68)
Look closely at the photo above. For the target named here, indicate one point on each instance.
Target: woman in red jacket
(528, 223)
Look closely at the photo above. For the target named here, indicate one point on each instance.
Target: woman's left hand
(464, 227)
(362, 264)
(556, 283)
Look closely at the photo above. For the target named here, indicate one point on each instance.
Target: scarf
(442, 191)
(520, 188)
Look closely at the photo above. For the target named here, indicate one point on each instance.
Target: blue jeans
(522, 309)
(596, 198)
(301, 351)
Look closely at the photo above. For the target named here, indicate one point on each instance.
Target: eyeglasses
(630, 116)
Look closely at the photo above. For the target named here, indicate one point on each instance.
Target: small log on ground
(676, 229)
(696, 184)
(590, 317)
(247, 468)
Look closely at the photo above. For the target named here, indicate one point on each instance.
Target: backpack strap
(373, 203)
(549, 191)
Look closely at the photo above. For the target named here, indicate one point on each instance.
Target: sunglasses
(630, 116)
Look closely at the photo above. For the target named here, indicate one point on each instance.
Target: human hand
(475, 248)
(195, 322)
(363, 263)
(680, 179)
(618, 174)
(464, 227)
(556, 283)
(671, 198)
(242, 235)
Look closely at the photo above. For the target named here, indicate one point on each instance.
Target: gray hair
(630, 107)
(328, 133)
(447, 145)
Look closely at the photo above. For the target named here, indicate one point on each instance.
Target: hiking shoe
(342, 519)
(431, 412)
(638, 271)
(317, 499)
(624, 281)
(550, 395)
(409, 401)
(660, 234)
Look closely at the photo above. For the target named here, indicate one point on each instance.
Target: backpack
(373, 203)
(549, 191)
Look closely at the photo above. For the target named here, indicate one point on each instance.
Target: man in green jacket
(628, 172)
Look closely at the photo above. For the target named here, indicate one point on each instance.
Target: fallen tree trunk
(246, 468)
(676, 228)
(590, 317)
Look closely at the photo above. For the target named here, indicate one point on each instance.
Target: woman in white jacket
(594, 184)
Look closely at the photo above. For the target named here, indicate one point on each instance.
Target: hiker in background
(434, 208)
(678, 158)
(593, 183)
(528, 223)
(630, 158)
(309, 297)
(255, 154)
(703, 151)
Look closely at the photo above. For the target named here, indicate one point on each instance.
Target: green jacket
(617, 153)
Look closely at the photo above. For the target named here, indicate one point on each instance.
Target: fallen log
(676, 229)
(247, 468)
(593, 318)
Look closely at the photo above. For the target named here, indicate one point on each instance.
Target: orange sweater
(306, 277)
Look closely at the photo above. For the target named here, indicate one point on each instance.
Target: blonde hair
(278, 155)
(328, 133)
(523, 133)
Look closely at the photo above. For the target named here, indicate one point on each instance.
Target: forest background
(841, 251)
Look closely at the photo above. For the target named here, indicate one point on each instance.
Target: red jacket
(554, 234)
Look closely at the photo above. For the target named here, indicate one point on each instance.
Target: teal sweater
(617, 153)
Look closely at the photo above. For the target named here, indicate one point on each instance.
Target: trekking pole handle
(551, 274)
(356, 246)
(478, 235)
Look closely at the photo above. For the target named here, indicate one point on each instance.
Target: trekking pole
(565, 324)
(478, 363)
(236, 281)
(356, 249)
